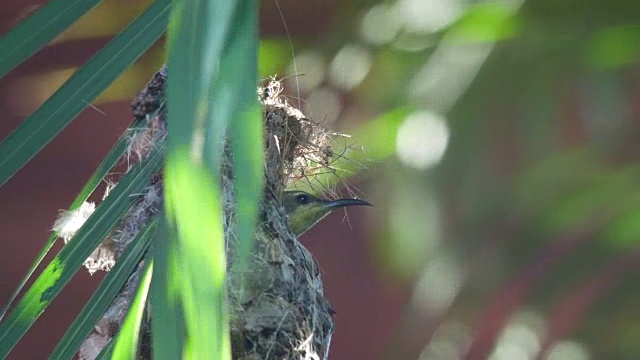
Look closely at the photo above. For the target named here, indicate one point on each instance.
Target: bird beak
(334, 204)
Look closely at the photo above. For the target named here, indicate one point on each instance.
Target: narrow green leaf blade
(39, 29)
(246, 134)
(127, 342)
(213, 81)
(191, 259)
(81, 89)
(194, 214)
(107, 164)
(167, 326)
(104, 295)
(199, 33)
(239, 70)
(62, 268)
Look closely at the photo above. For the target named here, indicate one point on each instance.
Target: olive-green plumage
(305, 210)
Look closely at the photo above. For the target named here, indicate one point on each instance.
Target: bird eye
(303, 199)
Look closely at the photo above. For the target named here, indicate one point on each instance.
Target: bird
(305, 210)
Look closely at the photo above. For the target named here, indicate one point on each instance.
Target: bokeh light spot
(306, 72)
(568, 350)
(522, 337)
(439, 284)
(422, 140)
(379, 25)
(509, 351)
(350, 66)
(323, 105)
(427, 16)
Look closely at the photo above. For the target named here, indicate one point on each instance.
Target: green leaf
(486, 23)
(126, 345)
(246, 134)
(39, 29)
(213, 66)
(239, 69)
(81, 89)
(167, 326)
(614, 47)
(194, 212)
(379, 135)
(107, 164)
(62, 268)
(199, 32)
(104, 295)
(188, 92)
(273, 57)
(624, 231)
(602, 196)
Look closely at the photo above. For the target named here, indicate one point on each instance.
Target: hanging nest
(277, 309)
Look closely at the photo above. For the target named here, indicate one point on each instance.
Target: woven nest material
(276, 305)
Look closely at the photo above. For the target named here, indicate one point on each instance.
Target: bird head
(305, 210)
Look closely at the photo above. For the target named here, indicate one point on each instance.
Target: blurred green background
(498, 141)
